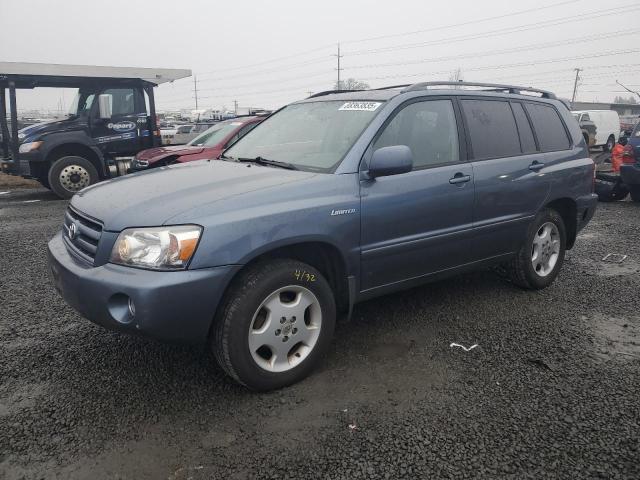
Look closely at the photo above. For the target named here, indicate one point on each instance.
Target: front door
(420, 222)
(123, 133)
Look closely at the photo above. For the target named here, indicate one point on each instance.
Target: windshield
(311, 136)
(215, 134)
(81, 104)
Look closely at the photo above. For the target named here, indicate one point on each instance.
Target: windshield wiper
(265, 161)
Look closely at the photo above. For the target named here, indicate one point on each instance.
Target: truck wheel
(71, 174)
(275, 325)
(611, 142)
(538, 261)
(635, 193)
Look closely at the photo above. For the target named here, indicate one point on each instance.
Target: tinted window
(492, 128)
(527, 142)
(548, 126)
(428, 129)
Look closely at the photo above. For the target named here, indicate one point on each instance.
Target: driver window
(428, 128)
(122, 101)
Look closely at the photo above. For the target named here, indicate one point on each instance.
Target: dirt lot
(551, 391)
(11, 181)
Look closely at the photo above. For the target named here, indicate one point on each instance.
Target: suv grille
(81, 234)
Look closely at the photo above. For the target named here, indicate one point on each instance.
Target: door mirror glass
(105, 103)
(392, 160)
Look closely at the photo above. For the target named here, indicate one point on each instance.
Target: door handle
(459, 178)
(536, 165)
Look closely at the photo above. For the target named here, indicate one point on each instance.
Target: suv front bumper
(172, 306)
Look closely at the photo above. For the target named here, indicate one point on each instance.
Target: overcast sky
(266, 54)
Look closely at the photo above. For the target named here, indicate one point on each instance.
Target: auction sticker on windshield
(361, 106)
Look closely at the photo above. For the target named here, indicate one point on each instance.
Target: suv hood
(158, 153)
(152, 197)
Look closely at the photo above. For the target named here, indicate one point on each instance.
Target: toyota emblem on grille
(73, 231)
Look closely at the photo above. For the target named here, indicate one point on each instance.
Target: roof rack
(493, 87)
(329, 92)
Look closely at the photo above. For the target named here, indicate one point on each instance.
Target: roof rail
(393, 86)
(329, 92)
(491, 86)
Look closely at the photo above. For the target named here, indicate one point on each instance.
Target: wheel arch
(568, 210)
(80, 150)
(320, 254)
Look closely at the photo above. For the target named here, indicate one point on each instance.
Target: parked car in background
(168, 133)
(185, 135)
(209, 144)
(600, 128)
(332, 200)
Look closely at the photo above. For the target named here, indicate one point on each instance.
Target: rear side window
(527, 142)
(492, 129)
(549, 128)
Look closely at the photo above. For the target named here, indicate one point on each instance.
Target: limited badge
(360, 106)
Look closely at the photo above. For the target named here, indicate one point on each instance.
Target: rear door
(510, 185)
(419, 222)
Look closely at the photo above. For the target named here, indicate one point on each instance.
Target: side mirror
(392, 160)
(104, 105)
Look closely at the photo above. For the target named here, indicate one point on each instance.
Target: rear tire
(69, 175)
(635, 193)
(276, 323)
(540, 258)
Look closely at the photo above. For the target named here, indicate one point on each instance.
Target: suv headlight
(156, 248)
(29, 146)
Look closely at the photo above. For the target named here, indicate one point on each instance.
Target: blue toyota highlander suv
(332, 200)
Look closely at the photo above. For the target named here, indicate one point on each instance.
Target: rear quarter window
(492, 128)
(549, 128)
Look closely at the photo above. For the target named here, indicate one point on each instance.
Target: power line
(501, 31)
(273, 60)
(463, 24)
(535, 46)
(511, 65)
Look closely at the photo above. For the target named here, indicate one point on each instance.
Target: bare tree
(631, 100)
(351, 84)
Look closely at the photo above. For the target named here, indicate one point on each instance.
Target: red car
(209, 144)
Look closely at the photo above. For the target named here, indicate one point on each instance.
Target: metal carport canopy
(30, 75)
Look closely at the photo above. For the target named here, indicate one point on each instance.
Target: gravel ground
(550, 392)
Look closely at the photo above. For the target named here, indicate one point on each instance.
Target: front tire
(275, 325)
(69, 175)
(540, 258)
(635, 193)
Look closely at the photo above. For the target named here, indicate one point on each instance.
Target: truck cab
(103, 125)
(111, 119)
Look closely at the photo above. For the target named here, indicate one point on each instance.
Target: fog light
(132, 308)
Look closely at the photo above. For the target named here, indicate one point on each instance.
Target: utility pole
(575, 84)
(195, 90)
(235, 105)
(338, 56)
